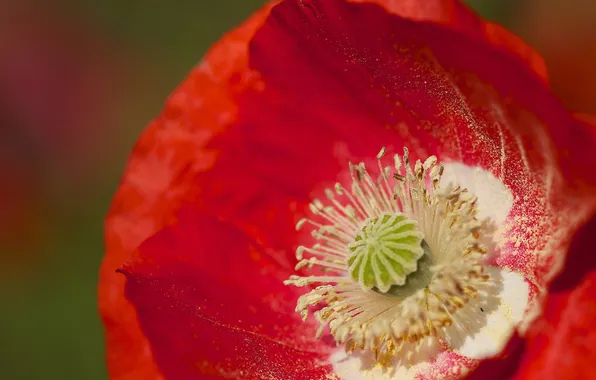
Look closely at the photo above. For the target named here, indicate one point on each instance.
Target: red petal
(502, 367)
(212, 302)
(156, 182)
(562, 342)
(454, 14)
(586, 131)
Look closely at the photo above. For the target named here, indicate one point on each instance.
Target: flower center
(396, 259)
(385, 251)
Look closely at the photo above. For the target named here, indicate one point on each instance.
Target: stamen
(396, 258)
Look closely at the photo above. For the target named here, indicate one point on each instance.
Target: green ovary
(385, 251)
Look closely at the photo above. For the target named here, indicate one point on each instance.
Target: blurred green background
(78, 82)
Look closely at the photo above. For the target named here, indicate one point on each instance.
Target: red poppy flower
(418, 266)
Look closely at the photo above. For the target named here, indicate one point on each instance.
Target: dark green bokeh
(49, 328)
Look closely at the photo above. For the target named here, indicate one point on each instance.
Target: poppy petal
(458, 16)
(211, 301)
(154, 185)
(447, 364)
(500, 323)
(586, 131)
(562, 341)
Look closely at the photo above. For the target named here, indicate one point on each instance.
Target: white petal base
(495, 200)
(500, 321)
(356, 367)
(496, 323)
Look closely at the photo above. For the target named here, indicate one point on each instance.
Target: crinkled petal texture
(204, 218)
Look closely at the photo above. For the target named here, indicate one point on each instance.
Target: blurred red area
(59, 84)
(20, 217)
(565, 34)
